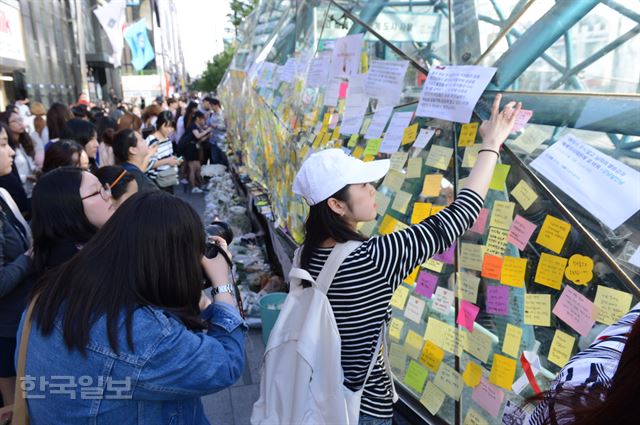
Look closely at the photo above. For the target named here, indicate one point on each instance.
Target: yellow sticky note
(414, 168)
(365, 126)
(399, 297)
(415, 376)
(366, 228)
(524, 194)
(325, 139)
(443, 335)
(326, 120)
(467, 286)
(499, 177)
(503, 371)
(537, 309)
(336, 133)
(368, 158)
(439, 157)
(318, 139)
(553, 233)
(449, 381)
(357, 152)
(393, 180)
(472, 256)
(611, 304)
(434, 265)
(432, 398)
(387, 225)
(511, 342)
(497, 241)
(397, 357)
(502, 214)
(398, 160)
(478, 344)
(373, 146)
(413, 344)
(472, 374)
(470, 156)
(411, 279)
(421, 210)
(550, 270)
(561, 348)
(579, 269)
(467, 134)
(432, 185)
(431, 355)
(353, 140)
(395, 328)
(513, 271)
(401, 201)
(474, 418)
(383, 202)
(410, 134)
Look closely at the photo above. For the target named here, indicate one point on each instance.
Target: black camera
(212, 249)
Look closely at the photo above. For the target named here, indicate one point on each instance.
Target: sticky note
(409, 134)
(611, 304)
(496, 241)
(468, 134)
(401, 201)
(414, 168)
(439, 157)
(326, 119)
(398, 160)
(399, 297)
(474, 418)
(499, 177)
(467, 286)
(336, 133)
(449, 381)
(421, 210)
(415, 376)
(413, 310)
(513, 271)
(471, 256)
(413, 344)
(432, 185)
(520, 232)
(579, 269)
(434, 265)
(502, 214)
(491, 266)
(397, 357)
(550, 270)
(511, 341)
(383, 203)
(561, 348)
(478, 344)
(426, 284)
(435, 209)
(318, 140)
(443, 335)
(470, 156)
(467, 314)
(373, 146)
(411, 279)
(357, 152)
(521, 119)
(524, 194)
(366, 228)
(472, 374)
(325, 139)
(537, 309)
(393, 180)
(443, 300)
(488, 397)
(481, 221)
(431, 355)
(575, 310)
(553, 233)
(447, 257)
(432, 398)
(395, 328)
(387, 225)
(503, 370)
(497, 301)
(353, 140)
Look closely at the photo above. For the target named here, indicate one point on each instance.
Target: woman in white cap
(338, 189)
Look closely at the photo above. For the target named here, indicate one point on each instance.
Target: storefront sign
(11, 38)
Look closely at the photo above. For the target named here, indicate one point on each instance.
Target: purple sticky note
(343, 90)
(521, 119)
(498, 300)
(426, 284)
(480, 223)
(447, 256)
(520, 232)
(488, 396)
(467, 314)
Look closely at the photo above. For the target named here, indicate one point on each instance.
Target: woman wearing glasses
(122, 183)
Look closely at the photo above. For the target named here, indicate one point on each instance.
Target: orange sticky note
(435, 209)
(432, 185)
(421, 210)
(467, 134)
(550, 270)
(411, 279)
(387, 225)
(431, 356)
(503, 371)
(491, 267)
(553, 233)
(513, 271)
(357, 152)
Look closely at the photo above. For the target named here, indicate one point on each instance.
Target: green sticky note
(373, 146)
(353, 140)
(499, 177)
(415, 376)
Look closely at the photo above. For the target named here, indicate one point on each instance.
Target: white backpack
(302, 377)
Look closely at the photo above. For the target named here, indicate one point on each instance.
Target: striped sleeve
(398, 253)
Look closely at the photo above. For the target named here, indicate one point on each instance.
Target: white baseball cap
(327, 171)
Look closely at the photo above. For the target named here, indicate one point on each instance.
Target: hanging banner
(141, 50)
(113, 19)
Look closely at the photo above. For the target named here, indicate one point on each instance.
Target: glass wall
(549, 263)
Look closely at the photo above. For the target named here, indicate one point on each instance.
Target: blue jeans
(372, 420)
(217, 156)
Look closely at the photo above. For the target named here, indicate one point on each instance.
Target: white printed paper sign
(602, 185)
(345, 58)
(385, 79)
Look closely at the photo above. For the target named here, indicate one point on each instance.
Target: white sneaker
(196, 190)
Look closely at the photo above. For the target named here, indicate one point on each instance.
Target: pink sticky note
(575, 310)
(520, 232)
(467, 314)
(447, 256)
(343, 90)
(521, 119)
(426, 284)
(488, 396)
(497, 301)
(478, 226)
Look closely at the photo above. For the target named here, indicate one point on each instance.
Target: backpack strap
(382, 341)
(339, 253)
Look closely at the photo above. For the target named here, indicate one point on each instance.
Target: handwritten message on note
(497, 301)
(399, 297)
(575, 310)
(503, 371)
(491, 266)
(432, 185)
(513, 271)
(467, 314)
(472, 374)
(488, 397)
(432, 398)
(611, 304)
(497, 241)
(561, 348)
(439, 157)
(415, 376)
(524, 194)
(537, 309)
(520, 232)
(502, 214)
(415, 307)
(426, 284)
(553, 233)
(423, 137)
(467, 286)
(550, 270)
(468, 134)
(449, 381)
(443, 300)
(431, 355)
(511, 341)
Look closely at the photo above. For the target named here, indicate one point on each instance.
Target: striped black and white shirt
(592, 367)
(361, 291)
(165, 150)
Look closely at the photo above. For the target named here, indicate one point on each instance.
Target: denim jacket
(159, 382)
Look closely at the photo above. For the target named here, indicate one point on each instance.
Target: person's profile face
(6, 154)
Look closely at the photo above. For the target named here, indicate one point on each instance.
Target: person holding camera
(122, 333)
